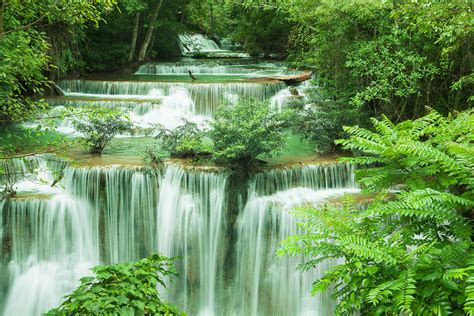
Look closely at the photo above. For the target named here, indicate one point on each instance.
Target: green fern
(410, 252)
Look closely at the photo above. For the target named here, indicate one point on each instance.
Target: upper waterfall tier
(200, 44)
(215, 68)
(207, 97)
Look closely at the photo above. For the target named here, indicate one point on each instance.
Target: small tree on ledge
(99, 127)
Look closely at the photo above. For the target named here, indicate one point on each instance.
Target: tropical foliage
(122, 289)
(243, 132)
(321, 119)
(99, 126)
(238, 137)
(185, 141)
(392, 57)
(411, 250)
(27, 47)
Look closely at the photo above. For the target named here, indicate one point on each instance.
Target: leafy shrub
(239, 135)
(322, 122)
(153, 158)
(391, 72)
(245, 131)
(99, 126)
(412, 253)
(184, 141)
(122, 289)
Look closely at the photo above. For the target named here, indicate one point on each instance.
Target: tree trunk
(149, 33)
(134, 37)
(2, 10)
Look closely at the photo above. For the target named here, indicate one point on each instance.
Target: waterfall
(124, 199)
(226, 255)
(191, 224)
(323, 176)
(206, 97)
(214, 68)
(52, 245)
(177, 69)
(137, 107)
(197, 43)
(200, 44)
(284, 97)
(264, 283)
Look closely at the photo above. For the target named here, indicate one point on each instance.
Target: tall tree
(133, 45)
(24, 58)
(150, 31)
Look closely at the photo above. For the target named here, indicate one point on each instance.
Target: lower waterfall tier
(225, 230)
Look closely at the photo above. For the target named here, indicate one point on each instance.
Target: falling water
(52, 243)
(191, 43)
(207, 97)
(137, 107)
(214, 69)
(191, 224)
(316, 177)
(264, 283)
(118, 213)
(173, 69)
(124, 200)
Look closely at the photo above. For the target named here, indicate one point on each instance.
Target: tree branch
(26, 25)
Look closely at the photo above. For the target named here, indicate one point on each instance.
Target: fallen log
(291, 79)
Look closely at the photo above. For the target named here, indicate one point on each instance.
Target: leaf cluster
(246, 131)
(99, 126)
(122, 289)
(411, 250)
(238, 137)
(185, 141)
(322, 119)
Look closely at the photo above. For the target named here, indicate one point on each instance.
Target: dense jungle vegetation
(397, 79)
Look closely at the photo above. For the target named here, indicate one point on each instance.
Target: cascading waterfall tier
(173, 69)
(206, 97)
(322, 176)
(51, 245)
(265, 284)
(137, 107)
(112, 214)
(214, 69)
(191, 223)
(192, 43)
(196, 44)
(125, 200)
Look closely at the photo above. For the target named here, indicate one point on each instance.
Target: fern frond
(427, 153)
(384, 126)
(469, 292)
(366, 249)
(384, 290)
(406, 296)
